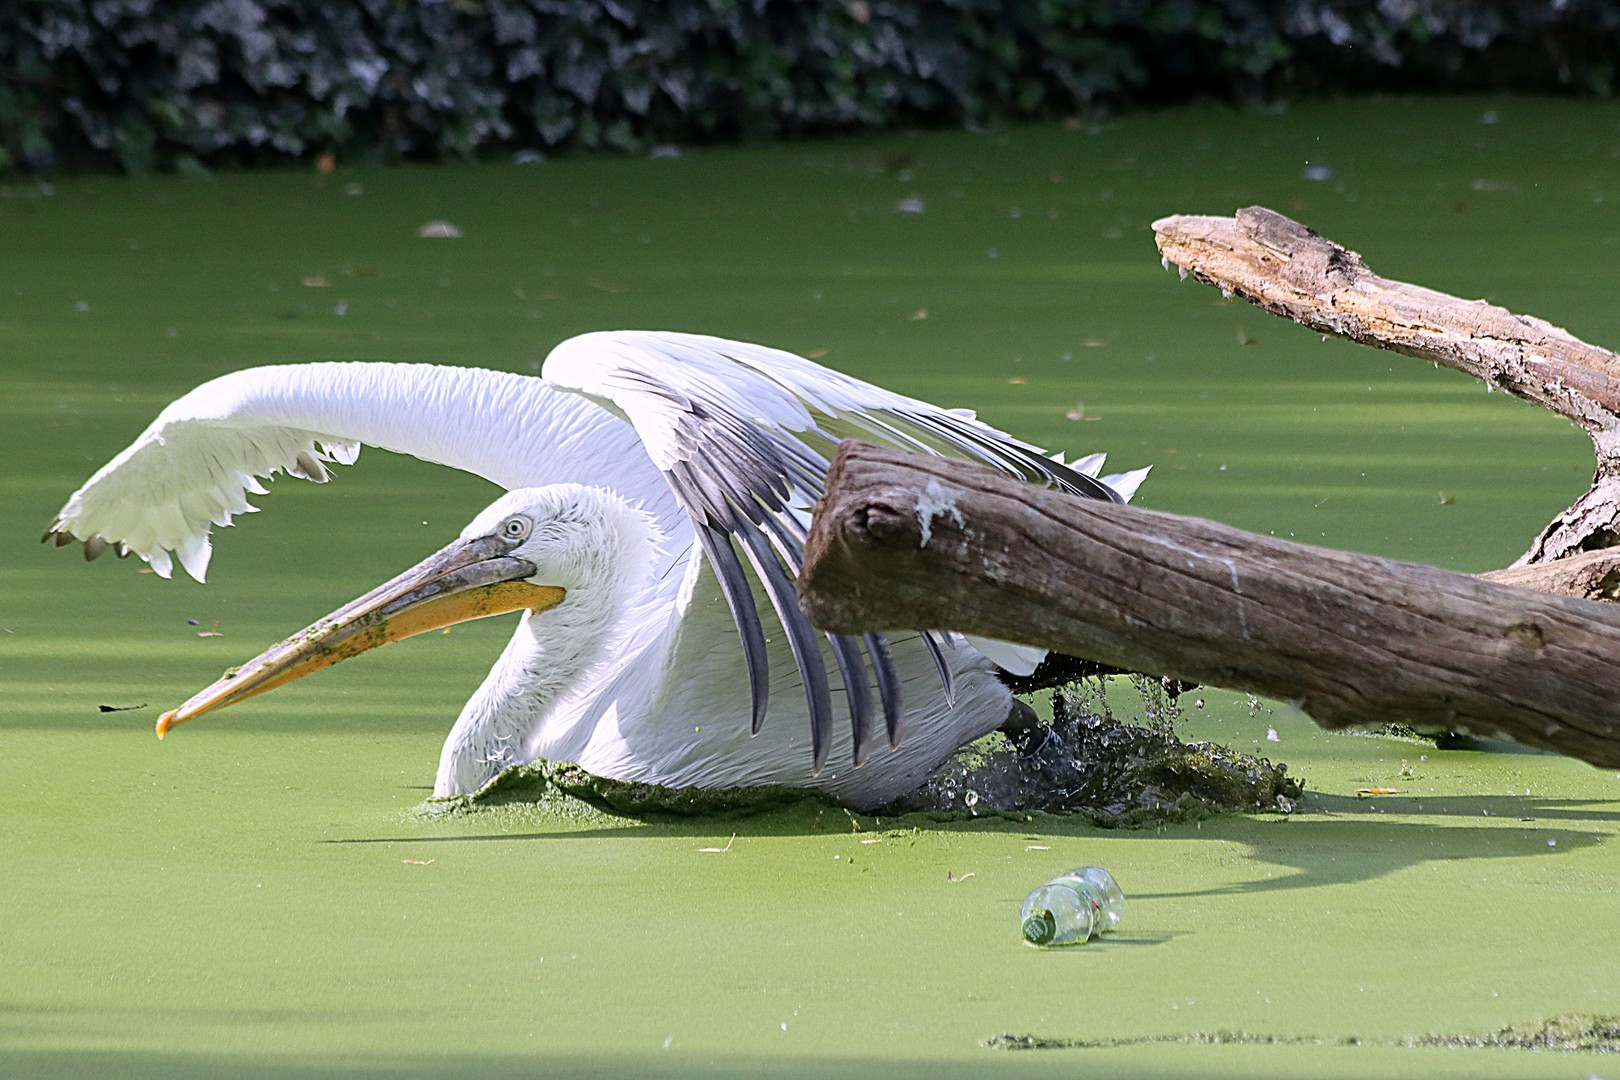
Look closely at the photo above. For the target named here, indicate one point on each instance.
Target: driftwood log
(1353, 640)
(903, 540)
(1289, 270)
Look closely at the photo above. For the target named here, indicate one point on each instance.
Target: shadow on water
(1335, 841)
(1463, 807)
(1343, 852)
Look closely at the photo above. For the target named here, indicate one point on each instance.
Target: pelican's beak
(470, 579)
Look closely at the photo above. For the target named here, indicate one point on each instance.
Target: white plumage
(647, 460)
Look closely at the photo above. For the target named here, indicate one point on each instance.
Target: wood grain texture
(908, 541)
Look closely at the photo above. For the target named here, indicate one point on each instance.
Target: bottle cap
(1040, 927)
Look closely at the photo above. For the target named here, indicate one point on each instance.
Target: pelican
(658, 489)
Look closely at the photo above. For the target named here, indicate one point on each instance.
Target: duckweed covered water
(257, 896)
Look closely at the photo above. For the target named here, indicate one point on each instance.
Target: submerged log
(903, 540)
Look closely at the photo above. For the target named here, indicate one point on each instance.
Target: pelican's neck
(519, 712)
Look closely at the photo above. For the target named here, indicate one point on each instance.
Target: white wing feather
(651, 379)
(140, 502)
(743, 434)
(196, 464)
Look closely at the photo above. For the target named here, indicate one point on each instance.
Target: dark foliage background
(148, 84)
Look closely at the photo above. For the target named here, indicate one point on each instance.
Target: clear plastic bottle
(1073, 907)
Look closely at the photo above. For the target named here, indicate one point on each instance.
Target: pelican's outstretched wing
(197, 463)
(743, 435)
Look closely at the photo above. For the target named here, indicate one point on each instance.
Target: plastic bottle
(1073, 907)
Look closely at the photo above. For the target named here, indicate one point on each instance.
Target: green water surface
(257, 896)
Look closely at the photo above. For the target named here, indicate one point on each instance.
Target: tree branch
(1289, 270)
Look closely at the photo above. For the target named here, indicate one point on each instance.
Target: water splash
(1119, 773)
(1161, 709)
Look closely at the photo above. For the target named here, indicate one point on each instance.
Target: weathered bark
(1591, 575)
(1289, 270)
(903, 540)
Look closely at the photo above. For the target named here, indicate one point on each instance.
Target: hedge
(147, 84)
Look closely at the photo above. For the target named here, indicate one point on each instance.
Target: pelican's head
(525, 550)
(571, 535)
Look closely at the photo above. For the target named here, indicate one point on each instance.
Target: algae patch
(1574, 1033)
(1010, 1041)
(1571, 1033)
(1119, 774)
(564, 786)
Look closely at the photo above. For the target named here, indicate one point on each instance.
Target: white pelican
(636, 466)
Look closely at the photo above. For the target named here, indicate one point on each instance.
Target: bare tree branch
(1289, 270)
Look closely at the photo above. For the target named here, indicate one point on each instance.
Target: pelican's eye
(516, 527)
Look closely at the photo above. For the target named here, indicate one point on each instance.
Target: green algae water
(258, 896)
